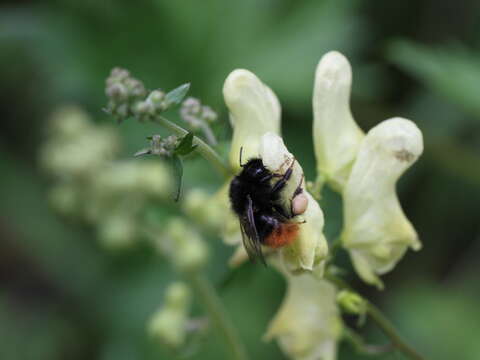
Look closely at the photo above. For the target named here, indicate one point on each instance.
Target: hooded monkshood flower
(377, 232)
(365, 170)
(255, 118)
(336, 135)
(307, 325)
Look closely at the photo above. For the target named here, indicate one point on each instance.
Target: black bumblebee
(255, 200)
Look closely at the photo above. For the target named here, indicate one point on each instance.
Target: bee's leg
(266, 178)
(241, 151)
(280, 184)
(299, 188)
(301, 202)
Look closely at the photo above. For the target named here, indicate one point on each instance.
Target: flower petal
(254, 110)
(310, 247)
(336, 134)
(308, 324)
(377, 232)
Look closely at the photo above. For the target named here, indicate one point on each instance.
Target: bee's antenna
(241, 151)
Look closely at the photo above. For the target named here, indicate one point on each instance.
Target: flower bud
(203, 208)
(376, 231)
(184, 246)
(118, 230)
(254, 110)
(169, 323)
(308, 324)
(336, 135)
(351, 302)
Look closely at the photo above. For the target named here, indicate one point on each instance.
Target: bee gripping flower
(254, 110)
(377, 232)
(335, 133)
(308, 324)
(310, 248)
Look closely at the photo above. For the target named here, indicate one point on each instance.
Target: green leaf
(176, 96)
(143, 152)
(178, 173)
(185, 146)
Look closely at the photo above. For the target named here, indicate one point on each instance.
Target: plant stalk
(381, 321)
(387, 327)
(202, 147)
(218, 315)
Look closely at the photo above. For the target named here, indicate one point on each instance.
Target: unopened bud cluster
(124, 92)
(160, 146)
(195, 114)
(155, 103)
(90, 185)
(199, 117)
(185, 248)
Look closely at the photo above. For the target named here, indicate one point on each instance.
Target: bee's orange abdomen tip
(282, 236)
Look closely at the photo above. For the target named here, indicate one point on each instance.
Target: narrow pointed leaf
(142, 152)
(185, 146)
(178, 173)
(176, 96)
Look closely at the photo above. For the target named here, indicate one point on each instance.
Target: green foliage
(176, 96)
(62, 293)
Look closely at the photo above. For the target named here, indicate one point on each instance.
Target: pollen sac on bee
(299, 204)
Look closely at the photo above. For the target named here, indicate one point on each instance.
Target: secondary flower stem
(381, 321)
(359, 344)
(387, 327)
(203, 148)
(218, 315)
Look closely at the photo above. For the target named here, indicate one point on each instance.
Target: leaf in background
(176, 96)
(178, 173)
(453, 72)
(185, 147)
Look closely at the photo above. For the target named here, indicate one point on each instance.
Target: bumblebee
(255, 199)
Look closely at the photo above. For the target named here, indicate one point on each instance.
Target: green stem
(218, 315)
(334, 247)
(203, 148)
(381, 321)
(387, 327)
(360, 346)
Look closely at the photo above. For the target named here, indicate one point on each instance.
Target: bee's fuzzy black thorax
(254, 199)
(254, 180)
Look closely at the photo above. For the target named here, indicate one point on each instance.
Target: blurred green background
(63, 296)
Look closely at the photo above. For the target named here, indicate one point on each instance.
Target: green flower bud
(184, 246)
(118, 230)
(169, 323)
(351, 302)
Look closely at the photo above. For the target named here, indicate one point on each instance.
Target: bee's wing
(251, 240)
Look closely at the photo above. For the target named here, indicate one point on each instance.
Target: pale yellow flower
(310, 248)
(376, 231)
(254, 110)
(307, 325)
(336, 135)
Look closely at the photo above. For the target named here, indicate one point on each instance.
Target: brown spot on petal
(404, 155)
